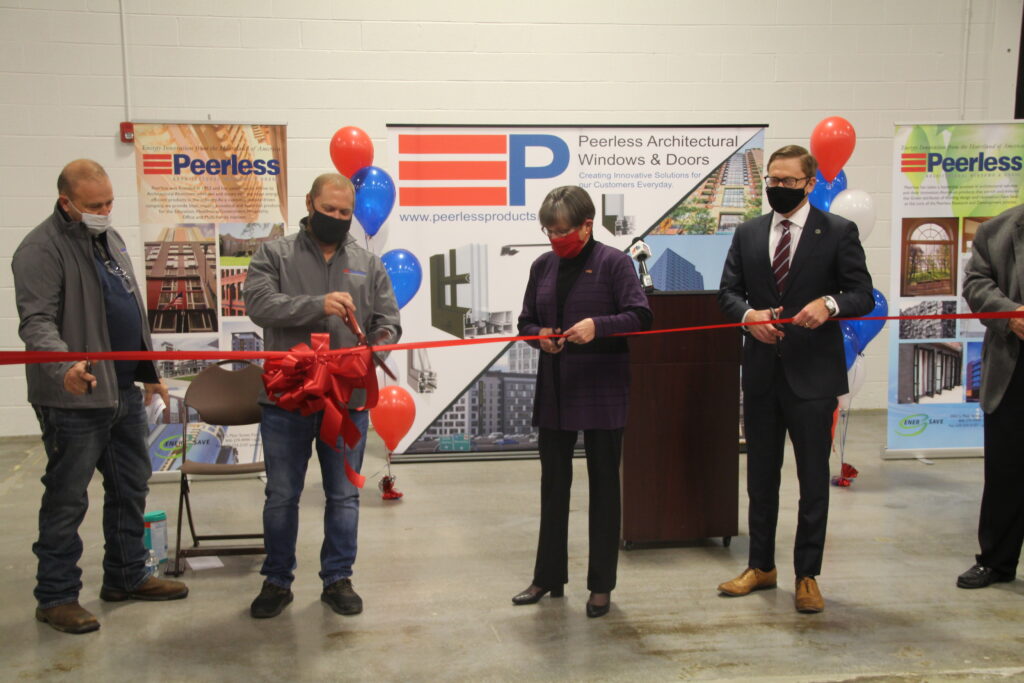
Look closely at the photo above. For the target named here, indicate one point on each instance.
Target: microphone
(639, 252)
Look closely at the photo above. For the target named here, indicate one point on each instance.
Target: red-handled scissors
(353, 325)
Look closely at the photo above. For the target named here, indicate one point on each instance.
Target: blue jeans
(287, 438)
(78, 442)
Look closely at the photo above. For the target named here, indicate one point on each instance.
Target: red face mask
(569, 245)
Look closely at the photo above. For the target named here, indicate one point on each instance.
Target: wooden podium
(680, 464)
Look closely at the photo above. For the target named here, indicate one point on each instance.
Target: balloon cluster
(832, 143)
(352, 154)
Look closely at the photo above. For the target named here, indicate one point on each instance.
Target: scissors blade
(353, 325)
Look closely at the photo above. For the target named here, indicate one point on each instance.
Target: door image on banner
(948, 180)
(209, 196)
(467, 202)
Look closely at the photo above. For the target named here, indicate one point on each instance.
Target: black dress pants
(604, 452)
(1001, 523)
(767, 417)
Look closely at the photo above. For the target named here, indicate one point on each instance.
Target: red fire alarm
(127, 131)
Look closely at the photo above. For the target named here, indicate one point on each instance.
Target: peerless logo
(474, 169)
(176, 164)
(926, 163)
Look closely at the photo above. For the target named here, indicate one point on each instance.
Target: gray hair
(569, 204)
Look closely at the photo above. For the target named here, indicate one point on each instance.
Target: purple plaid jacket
(591, 390)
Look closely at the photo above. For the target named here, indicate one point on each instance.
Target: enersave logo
(178, 164)
(980, 162)
(475, 170)
(914, 425)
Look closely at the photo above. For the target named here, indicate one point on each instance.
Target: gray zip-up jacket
(60, 303)
(288, 279)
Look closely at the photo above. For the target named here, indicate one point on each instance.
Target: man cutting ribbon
(317, 281)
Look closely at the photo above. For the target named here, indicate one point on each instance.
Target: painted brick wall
(318, 65)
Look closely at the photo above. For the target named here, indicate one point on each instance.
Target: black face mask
(328, 229)
(785, 199)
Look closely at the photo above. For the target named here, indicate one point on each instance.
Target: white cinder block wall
(321, 64)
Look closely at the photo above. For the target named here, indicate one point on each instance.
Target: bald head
(84, 186)
(332, 194)
(332, 180)
(77, 171)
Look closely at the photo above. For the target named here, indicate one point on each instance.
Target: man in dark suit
(993, 283)
(800, 263)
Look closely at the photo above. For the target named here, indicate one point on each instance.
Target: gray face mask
(96, 223)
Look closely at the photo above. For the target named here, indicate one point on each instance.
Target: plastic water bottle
(152, 563)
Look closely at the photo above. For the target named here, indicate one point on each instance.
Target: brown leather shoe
(151, 589)
(69, 618)
(749, 580)
(808, 597)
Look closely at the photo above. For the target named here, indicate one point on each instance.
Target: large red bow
(310, 379)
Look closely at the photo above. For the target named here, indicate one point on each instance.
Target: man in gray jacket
(76, 292)
(305, 283)
(994, 282)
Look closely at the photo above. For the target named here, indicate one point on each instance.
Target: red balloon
(832, 143)
(393, 415)
(351, 150)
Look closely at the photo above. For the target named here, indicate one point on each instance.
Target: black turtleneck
(569, 270)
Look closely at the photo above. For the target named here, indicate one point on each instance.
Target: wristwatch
(830, 304)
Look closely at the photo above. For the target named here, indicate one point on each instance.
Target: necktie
(780, 262)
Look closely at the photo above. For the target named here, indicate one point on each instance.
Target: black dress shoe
(979, 577)
(533, 594)
(594, 611)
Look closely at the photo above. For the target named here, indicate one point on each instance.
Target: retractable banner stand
(948, 179)
(464, 231)
(209, 195)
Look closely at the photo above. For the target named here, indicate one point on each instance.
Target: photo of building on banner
(209, 195)
(466, 210)
(948, 180)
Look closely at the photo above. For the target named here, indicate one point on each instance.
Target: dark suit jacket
(829, 260)
(993, 282)
(585, 386)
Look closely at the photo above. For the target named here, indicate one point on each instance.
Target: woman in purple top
(590, 291)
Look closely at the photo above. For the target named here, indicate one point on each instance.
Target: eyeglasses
(784, 182)
(548, 232)
(114, 268)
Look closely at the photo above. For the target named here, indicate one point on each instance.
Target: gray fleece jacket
(288, 279)
(60, 304)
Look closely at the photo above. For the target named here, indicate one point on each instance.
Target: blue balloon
(824, 192)
(869, 329)
(851, 343)
(375, 197)
(405, 272)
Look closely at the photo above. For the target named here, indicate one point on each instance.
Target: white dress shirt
(796, 228)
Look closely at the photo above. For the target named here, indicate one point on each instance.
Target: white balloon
(857, 206)
(856, 376)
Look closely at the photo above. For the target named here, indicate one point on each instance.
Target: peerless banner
(209, 195)
(467, 201)
(948, 179)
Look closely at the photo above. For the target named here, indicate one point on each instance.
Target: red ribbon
(310, 379)
(26, 357)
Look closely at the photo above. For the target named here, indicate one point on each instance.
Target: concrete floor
(437, 571)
